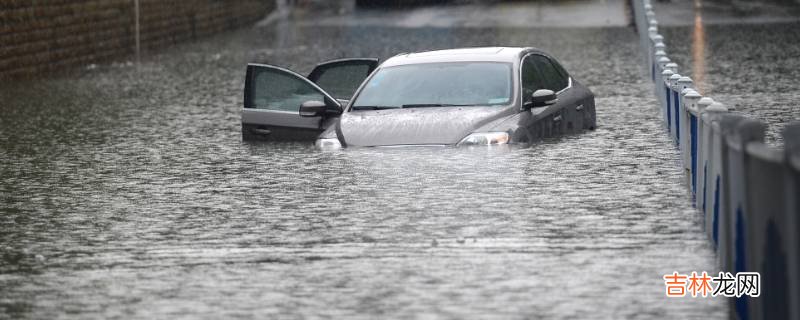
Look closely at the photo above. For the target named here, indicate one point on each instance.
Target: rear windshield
(438, 84)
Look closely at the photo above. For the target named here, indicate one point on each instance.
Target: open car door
(272, 100)
(273, 97)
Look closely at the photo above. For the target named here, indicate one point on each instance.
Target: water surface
(130, 194)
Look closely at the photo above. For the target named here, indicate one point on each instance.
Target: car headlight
(328, 144)
(485, 139)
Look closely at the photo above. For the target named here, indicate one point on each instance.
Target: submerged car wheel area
(472, 96)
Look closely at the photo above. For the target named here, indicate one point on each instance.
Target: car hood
(414, 126)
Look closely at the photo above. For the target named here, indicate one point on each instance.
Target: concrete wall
(43, 36)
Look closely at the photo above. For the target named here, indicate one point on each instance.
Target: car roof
(487, 54)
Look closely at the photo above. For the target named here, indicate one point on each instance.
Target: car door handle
(557, 118)
(579, 107)
(262, 131)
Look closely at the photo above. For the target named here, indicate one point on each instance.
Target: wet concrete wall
(38, 37)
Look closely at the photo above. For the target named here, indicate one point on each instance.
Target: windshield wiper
(425, 105)
(374, 107)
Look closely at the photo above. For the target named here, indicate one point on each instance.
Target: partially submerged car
(472, 96)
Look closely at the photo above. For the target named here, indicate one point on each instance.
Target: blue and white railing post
(659, 50)
(673, 91)
(771, 232)
(671, 66)
(702, 153)
(665, 95)
(746, 132)
(689, 136)
(791, 142)
(647, 27)
(650, 21)
(713, 161)
(649, 43)
(728, 125)
(658, 67)
(659, 39)
(683, 85)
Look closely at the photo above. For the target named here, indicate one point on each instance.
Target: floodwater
(745, 56)
(130, 194)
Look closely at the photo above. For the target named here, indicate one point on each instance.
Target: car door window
(343, 81)
(276, 89)
(341, 78)
(561, 70)
(531, 79)
(551, 78)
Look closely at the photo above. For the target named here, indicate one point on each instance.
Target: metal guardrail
(747, 191)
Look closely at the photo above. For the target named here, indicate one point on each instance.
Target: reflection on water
(699, 48)
(751, 67)
(131, 195)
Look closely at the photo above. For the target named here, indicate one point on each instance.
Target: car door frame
(279, 124)
(315, 73)
(545, 121)
(574, 110)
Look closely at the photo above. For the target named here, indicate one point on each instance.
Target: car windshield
(437, 85)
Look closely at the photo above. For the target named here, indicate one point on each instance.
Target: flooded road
(745, 55)
(130, 194)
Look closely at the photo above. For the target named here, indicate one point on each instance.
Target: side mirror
(543, 98)
(313, 108)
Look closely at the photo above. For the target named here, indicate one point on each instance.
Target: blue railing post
(673, 85)
(665, 96)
